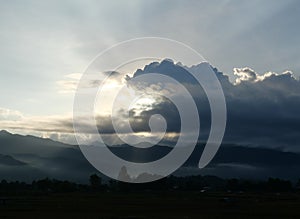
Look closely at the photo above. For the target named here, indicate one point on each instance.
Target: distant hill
(10, 161)
(28, 158)
(14, 143)
(230, 161)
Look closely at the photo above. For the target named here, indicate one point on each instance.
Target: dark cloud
(263, 109)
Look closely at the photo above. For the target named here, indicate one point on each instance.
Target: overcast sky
(46, 43)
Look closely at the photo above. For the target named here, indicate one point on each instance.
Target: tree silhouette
(95, 182)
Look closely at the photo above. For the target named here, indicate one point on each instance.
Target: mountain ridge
(69, 163)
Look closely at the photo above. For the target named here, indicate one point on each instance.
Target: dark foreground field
(152, 205)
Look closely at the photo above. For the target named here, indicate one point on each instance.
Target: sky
(45, 46)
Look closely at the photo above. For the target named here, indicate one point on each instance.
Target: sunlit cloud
(248, 75)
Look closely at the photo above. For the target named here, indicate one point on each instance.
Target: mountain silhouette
(28, 158)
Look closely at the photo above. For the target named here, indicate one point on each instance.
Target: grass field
(152, 205)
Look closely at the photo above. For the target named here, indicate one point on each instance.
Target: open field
(152, 205)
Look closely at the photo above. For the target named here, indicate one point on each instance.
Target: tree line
(188, 183)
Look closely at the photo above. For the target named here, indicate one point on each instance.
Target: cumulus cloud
(262, 108)
(248, 75)
(245, 74)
